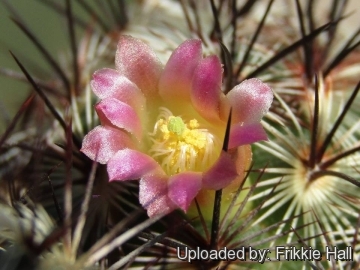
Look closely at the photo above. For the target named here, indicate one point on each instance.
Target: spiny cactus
(300, 188)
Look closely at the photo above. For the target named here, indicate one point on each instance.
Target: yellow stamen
(181, 146)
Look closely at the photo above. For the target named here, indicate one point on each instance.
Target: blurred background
(50, 28)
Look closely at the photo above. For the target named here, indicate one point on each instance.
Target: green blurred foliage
(52, 31)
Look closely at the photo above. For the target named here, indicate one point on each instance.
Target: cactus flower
(165, 125)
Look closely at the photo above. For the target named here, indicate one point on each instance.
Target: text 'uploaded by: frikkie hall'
(280, 253)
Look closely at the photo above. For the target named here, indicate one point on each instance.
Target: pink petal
(176, 79)
(128, 164)
(110, 83)
(250, 100)
(153, 194)
(184, 187)
(137, 61)
(246, 134)
(101, 143)
(221, 174)
(119, 114)
(206, 94)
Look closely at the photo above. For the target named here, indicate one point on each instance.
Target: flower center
(180, 146)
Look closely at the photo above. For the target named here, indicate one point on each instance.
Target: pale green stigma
(176, 125)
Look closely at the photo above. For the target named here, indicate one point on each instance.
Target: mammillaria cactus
(172, 93)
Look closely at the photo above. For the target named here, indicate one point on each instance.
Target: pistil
(179, 145)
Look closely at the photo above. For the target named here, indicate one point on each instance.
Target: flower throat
(180, 146)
